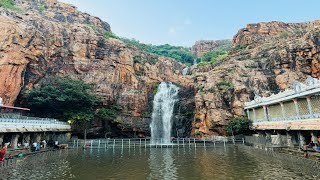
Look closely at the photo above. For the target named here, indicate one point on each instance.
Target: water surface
(150, 163)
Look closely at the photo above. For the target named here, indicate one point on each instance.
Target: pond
(229, 162)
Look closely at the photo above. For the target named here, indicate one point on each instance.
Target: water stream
(185, 71)
(163, 105)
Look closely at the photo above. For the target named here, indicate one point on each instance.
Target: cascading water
(185, 71)
(163, 105)
(194, 61)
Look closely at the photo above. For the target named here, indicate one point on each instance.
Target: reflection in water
(161, 164)
(151, 163)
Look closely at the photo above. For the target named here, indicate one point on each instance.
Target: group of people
(312, 145)
(34, 147)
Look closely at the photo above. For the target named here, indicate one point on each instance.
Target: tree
(62, 98)
(239, 126)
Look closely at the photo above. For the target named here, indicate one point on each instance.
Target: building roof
(297, 90)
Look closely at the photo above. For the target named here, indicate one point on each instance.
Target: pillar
(248, 113)
(302, 140)
(309, 106)
(1, 138)
(314, 137)
(261, 139)
(254, 114)
(296, 107)
(14, 141)
(68, 136)
(289, 139)
(26, 138)
(278, 140)
(268, 137)
(283, 111)
(36, 137)
(265, 113)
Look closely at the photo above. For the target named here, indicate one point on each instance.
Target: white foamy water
(163, 105)
(185, 71)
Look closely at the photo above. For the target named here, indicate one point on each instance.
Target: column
(289, 139)
(268, 137)
(265, 113)
(248, 114)
(314, 137)
(278, 140)
(68, 136)
(309, 105)
(14, 141)
(1, 138)
(302, 140)
(261, 137)
(36, 138)
(254, 114)
(283, 111)
(26, 138)
(296, 106)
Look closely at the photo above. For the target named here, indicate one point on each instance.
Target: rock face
(62, 41)
(49, 38)
(204, 46)
(266, 58)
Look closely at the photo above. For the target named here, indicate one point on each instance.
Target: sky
(182, 22)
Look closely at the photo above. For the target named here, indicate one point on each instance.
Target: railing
(18, 121)
(146, 142)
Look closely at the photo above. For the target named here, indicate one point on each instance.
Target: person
(44, 143)
(38, 147)
(26, 145)
(311, 144)
(305, 150)
(3, 151)
(56, 143)
(34, 146)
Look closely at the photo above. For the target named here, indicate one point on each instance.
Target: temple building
(289, 118)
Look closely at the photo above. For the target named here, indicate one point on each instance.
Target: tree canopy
(62, 98)
(239, 126)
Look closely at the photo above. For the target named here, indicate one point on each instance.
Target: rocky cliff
(49, 38)
(266, 58)
(204, 46)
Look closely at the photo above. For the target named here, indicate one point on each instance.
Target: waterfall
(185, 71)
(194, 61)
(163, 105)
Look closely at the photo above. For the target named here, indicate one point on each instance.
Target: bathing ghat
(15, 128)
(289, 118)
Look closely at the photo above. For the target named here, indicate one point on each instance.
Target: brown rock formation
(266, 58)
(204, 46)
(65, 42)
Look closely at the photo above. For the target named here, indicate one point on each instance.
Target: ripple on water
(176, 163)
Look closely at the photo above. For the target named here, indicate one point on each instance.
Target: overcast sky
(182, 22)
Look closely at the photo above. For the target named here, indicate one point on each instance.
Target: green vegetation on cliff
(214, 56)
(178, 53)
(217, 54)
(8, 4)
(62, 98)
(239, 126)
